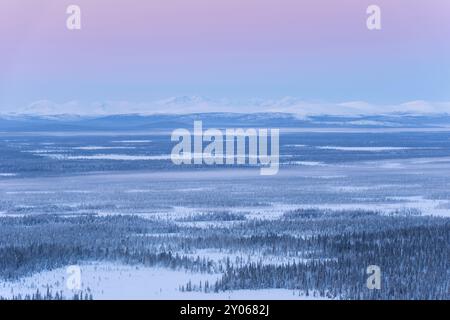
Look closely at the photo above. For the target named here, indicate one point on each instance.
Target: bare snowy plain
(140, 228)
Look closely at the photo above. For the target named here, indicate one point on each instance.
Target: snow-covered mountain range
(195, 104)
(179, 112)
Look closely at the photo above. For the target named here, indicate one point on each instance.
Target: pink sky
(129, 48)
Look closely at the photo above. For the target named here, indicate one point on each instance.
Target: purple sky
(137, 50)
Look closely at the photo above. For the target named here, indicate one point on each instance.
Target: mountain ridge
(195, 104)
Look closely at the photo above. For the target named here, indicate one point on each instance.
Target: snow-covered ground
(117, 157)
(2, 174)
(364, 149)
(117, 281)
(237, 258)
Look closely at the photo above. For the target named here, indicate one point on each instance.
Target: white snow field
(113, 281)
